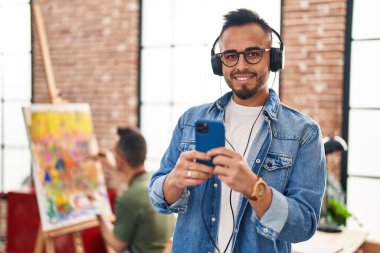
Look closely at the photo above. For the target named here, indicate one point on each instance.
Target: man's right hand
(186, 172)
(107, 159)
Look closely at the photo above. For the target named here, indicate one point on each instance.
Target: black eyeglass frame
(247, 50)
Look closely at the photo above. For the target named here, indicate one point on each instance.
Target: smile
(243, 78)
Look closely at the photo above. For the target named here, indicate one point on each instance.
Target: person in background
(138, 227)
(265, 190)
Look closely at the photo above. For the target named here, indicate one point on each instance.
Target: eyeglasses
(252, 55)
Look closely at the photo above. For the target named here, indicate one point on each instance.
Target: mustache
(253, 73)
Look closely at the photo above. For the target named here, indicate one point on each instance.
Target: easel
(46, 238)
(53, 91)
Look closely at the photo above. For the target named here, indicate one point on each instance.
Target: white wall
(15, 91)
(363, 185)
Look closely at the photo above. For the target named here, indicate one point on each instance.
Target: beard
(244, 92)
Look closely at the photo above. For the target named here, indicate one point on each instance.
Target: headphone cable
(203, 219)
(204, 192)
(204, 222)
(220, 86)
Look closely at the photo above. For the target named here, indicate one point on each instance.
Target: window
(363, 108)
(175, 61)
(15, 91)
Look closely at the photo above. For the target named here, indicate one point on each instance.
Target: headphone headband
(279, 38)
(213, 46)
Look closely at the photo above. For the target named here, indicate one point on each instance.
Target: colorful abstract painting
(65, 176)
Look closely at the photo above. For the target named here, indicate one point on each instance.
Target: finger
(220, 170)
(221, 151)
(195, 178)
(195, 154)
(223, 178)
(222, 161)
(196, 166)
(197, 175)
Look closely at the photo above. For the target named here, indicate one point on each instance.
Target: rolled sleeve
(157, 198)
(272, 222)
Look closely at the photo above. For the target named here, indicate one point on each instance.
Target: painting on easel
(61, 138)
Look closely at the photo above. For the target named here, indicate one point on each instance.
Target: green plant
(336, 212)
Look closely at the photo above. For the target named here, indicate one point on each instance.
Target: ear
(120, 161)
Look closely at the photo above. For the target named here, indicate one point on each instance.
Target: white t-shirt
(238, 122)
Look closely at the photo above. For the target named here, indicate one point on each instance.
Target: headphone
(276, 57)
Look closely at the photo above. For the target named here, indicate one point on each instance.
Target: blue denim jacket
(287, 153)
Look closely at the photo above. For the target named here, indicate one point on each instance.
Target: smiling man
(265, 190)
(246, 79)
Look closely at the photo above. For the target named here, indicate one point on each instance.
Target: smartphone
(209, 134)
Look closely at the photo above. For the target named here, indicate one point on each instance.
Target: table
(347, 241)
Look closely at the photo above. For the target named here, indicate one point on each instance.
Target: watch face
(258, 190)
(261, 189)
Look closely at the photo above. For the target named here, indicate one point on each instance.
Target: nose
(242, 62)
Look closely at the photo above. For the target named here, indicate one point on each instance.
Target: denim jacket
(287, 153)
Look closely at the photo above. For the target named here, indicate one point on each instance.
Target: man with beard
(266, 187)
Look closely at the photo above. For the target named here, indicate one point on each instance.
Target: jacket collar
(271, 106)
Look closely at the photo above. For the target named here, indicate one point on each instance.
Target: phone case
(209, 134)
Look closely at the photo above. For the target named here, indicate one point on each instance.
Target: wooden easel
(54, 93)
(46, 238)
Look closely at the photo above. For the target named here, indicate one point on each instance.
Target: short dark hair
(241, 17)
(132, 146)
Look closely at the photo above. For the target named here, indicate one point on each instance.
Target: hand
(187, 172)
(232, 169)
(95, 201)
(107, 159)
(107, 162)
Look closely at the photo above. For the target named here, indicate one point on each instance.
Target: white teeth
(242, 78)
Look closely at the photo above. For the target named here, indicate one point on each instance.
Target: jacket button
(269, 164)
(213, 219)
(215, 185)
(266, 230)
(258, 160)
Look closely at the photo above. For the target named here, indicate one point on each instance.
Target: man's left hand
(232, 169)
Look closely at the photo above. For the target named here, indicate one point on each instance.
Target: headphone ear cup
(216, 64)
(275, 59)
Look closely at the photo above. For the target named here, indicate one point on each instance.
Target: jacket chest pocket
(276, 169)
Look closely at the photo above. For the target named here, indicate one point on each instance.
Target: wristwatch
(258, 190)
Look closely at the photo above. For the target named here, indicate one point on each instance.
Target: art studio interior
(141, 64)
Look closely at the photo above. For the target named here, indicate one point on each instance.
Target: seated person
(138, 227)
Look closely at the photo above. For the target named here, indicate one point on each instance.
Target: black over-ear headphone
(276, 57)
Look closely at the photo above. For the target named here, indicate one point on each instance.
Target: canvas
(62, 143)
